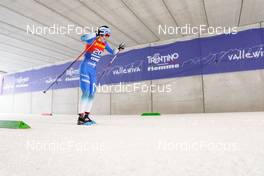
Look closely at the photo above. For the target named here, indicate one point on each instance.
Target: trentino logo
(163, 62)
(157, 58)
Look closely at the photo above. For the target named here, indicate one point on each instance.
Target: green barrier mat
(13, 124)
(150, 114)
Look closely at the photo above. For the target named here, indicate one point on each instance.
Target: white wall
(186, 96)
(131, 102)
(65, 101)
(6, 103)
(237, 91)
(22, 103)
(101, 105)
(41, 103)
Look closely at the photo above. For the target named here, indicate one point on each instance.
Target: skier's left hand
(121, 46)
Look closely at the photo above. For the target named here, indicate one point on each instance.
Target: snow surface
(229, 144)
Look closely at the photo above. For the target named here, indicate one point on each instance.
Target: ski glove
(122, 46)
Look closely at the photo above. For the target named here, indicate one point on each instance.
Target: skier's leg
(92, 90)
(87, 84)
(85, 87)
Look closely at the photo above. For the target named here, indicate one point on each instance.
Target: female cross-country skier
(96, 43)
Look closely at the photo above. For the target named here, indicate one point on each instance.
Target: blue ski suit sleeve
(110, 50)
(88, 38)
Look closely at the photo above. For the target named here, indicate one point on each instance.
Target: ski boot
(84, 119)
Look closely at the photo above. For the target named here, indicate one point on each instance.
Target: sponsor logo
(231, 55)
(246, 54)
(72, 74)
(51, 80)
(8, 86)
(122, 70)
(131, 68)
(157, 58)
(22, 82)
(95, 59)
(163, 62)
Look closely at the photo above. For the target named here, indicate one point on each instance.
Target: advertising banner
(218, 54)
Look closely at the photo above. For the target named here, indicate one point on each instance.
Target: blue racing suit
(94, 51)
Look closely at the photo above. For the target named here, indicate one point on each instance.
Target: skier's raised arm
(115, 51)
(110, 50)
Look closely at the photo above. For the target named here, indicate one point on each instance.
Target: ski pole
(56, 80)
(121, 46)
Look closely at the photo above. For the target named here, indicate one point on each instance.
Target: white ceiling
(133, 21)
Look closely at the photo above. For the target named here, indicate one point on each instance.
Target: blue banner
(218, 54)
(1, 84)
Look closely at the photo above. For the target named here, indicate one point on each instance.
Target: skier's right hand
(121, 46)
